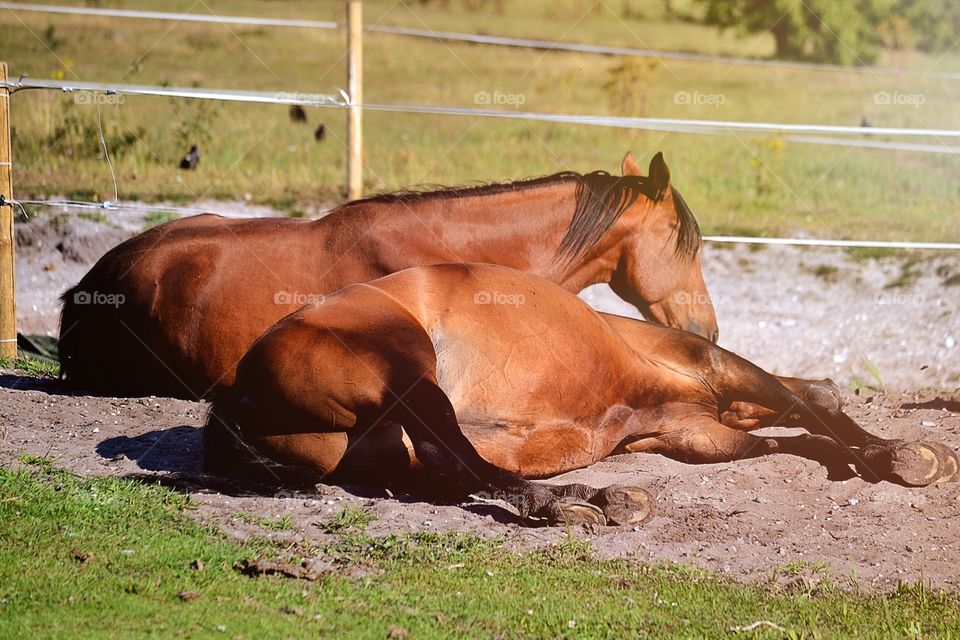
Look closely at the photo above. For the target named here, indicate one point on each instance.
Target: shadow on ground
(174, 458)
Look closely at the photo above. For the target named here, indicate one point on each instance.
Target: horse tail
(76, 345)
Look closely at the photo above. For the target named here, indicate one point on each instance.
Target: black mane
(601, 200)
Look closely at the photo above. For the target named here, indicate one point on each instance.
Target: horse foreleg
(906, 463)
(824, 394)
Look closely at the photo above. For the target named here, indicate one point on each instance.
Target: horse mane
(601, 198)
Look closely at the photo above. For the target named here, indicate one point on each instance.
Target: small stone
(188, 596)
(928, 423)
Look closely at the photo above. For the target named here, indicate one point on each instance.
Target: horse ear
(659, 174)
(629, 166)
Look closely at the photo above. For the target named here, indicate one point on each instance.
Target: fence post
(355, 89)
(8, 305)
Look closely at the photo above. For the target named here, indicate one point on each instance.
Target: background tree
(819, 30)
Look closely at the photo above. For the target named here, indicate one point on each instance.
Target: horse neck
(520, 229)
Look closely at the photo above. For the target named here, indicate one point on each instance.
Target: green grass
(347, 519)
(280, 523)
(32, 366)
(757, 186)
(107, 557)
(155, 218)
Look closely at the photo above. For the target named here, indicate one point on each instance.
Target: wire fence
(676, 125)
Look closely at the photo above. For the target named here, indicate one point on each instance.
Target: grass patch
(283, 523)
(107, 557)
(826, 272)
(863, 254)
(348, 518)
(156, 218)
(32, 366)
(908, 275)
(44, 462)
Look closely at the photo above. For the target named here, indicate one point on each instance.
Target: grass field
(107, 557)
(740, 184)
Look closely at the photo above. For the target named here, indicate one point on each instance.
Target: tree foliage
(850, 33)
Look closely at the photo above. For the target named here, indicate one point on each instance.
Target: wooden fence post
(8, 305)
(355, 89)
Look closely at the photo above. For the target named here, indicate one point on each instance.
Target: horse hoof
(912, 464)
(623, 505)
(949, 464)
(569, 511)
(825, 393)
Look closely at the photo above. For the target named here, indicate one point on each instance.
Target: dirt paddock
(814, 313)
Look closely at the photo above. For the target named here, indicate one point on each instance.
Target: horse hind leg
(226, 453)
(429, 419)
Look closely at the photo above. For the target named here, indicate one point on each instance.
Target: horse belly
(540, 451)
(526, 380)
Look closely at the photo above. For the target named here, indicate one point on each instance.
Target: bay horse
(479, 378)
(195, 293)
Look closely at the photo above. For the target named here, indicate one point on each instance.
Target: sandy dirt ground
(803, 312)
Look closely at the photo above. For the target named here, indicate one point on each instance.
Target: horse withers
(479, 378)
(197, 292)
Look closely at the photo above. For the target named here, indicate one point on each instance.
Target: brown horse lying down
(197, 292)
(486, 376)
